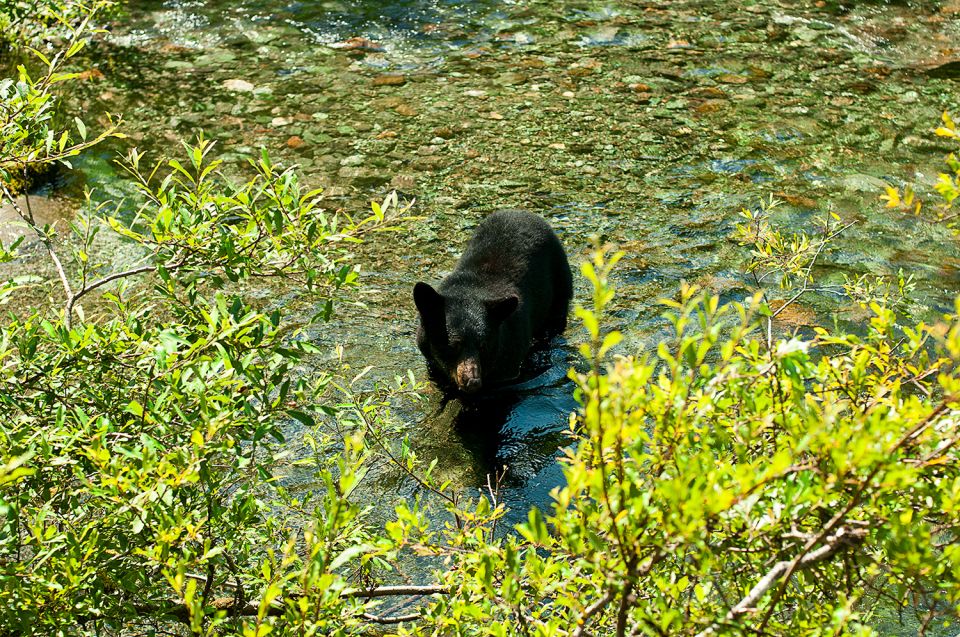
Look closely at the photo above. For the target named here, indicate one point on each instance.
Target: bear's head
(460, 336)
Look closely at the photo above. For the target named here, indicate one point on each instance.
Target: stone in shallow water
(403, 182)
(352, 160)
(238, 85)
(214, 58)
(863, 183)
(389, 80)
(363, 176)
(46, 210)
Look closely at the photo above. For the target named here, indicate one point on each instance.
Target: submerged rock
(863, 183)
(46, 210)
(239, 86)
(389, 80)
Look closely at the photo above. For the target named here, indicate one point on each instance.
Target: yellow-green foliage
(719, 486)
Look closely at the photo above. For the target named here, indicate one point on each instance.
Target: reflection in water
(519, 429)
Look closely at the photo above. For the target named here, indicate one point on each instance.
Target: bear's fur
(512, 286)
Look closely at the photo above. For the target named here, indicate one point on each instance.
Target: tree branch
(391, 619)
(47, 243)
(390, 591)
(177, 610)
(842, 538)
(590, 611)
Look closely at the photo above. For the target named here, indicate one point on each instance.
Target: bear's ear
(500, 309)
(429, 303)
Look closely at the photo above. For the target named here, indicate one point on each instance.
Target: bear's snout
(468, 376)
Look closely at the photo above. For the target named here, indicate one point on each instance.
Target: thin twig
(391, 619)
(590, 611)
(393, 591)
(840, 539)
(47, 242)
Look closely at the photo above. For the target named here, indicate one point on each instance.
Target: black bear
(511, 286)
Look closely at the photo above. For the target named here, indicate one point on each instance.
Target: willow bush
(730, 482)
(721, 486)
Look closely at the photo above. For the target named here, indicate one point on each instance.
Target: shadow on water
(517, 432)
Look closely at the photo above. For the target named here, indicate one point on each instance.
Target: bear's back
(509, 246)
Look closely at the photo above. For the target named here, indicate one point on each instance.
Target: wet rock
(277, 122)
(606, 34)
(714, 92)
(353, 160)
(170, 47)
(427, 163)
(729, 78)
(336, 191)
(261, 37)
(798, 200)
(794, 315)
(46, 210)
(215, 58)
(909, 97)
(512, 79)
(390, 80)
(357, 44)
(523, 38)
(533, 63)
(389, 102)
(805, 33)
(709, 106)
(403, 182)
(580, 71)
(318, 138)
(238, 86)
(863, 183)
(363, 176)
